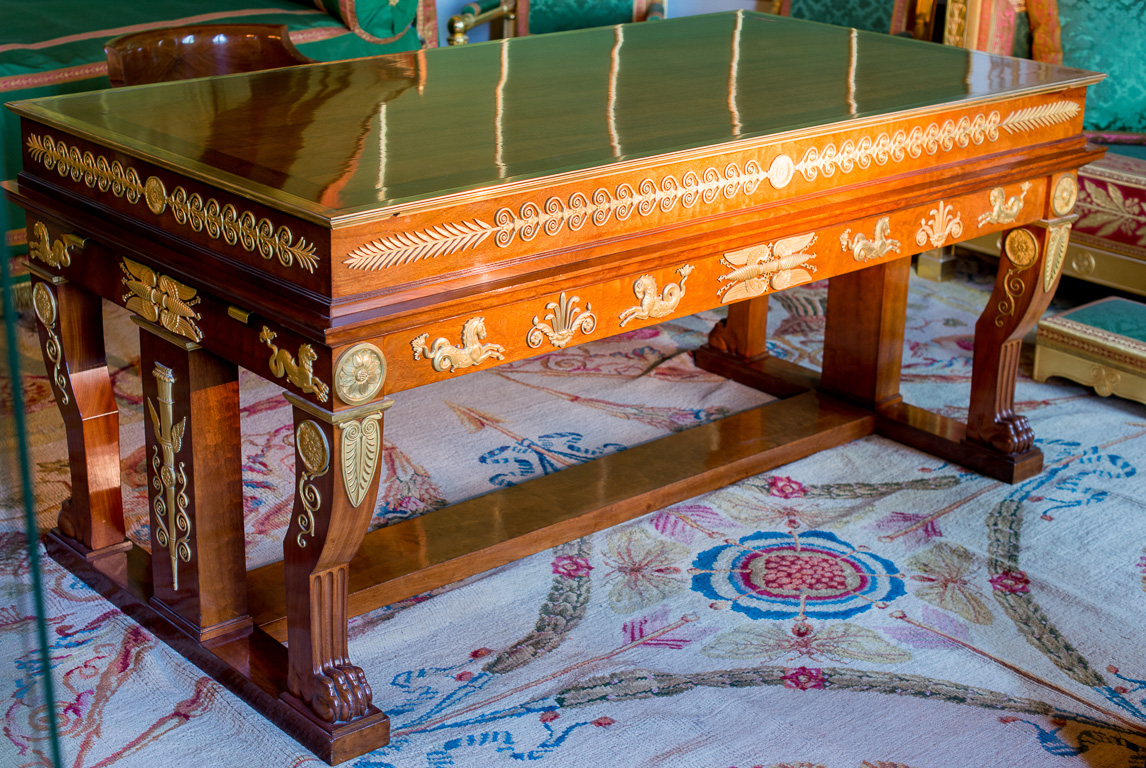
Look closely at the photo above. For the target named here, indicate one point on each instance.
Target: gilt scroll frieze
(314, 454)
(1004, 211)
(564, 318)
(651, 304)
(172, 522)
(300, 373)
(444, 356)
(54, 254)
(221, 222)
(161, 299)
(361, 444)
(664, 194)
(945, 222)
(865, 250)
(557, 214)
(47, 311)
(760, 268)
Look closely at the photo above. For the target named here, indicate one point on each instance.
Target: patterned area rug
(869, 607)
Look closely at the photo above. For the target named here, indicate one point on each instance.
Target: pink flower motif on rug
(785, 487)
(603, 722)
(803, 678)
(1012, 582)
(571, 566)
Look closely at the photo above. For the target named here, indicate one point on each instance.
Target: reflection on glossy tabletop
(354, 135)
(198, 50)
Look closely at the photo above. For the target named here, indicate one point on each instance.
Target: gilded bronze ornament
(565, 319)
(54, 254)
(300, 373)
(359, 373)
(44, 302)
(651, 304)
(1021, 247)
(1022, 250)
(865, 250)
(444, 356)
(361, 445)
(764, 267)
(221, 222)
(1058, 237)
(941, 226)
(1004, 211)
(172, 524)
(161, 299)
(314, 453)
(1065, 195)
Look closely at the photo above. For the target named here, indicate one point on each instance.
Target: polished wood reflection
(198, 50)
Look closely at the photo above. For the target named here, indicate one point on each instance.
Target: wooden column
(195, 474)
(336, 462)
(863, 338)
(71, 338)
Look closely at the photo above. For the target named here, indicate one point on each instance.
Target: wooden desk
(356, 229)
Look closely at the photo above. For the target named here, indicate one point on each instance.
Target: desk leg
(863, 338)
(71, 335)
(1028, 274)
(336, 461)
(737, 350)
(744, 332)
(195, 488)
(995, 441)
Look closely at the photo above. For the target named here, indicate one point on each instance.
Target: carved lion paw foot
(340, 693)
(717, 338)
(1011, 433)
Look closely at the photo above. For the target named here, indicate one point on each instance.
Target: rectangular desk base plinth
(450, 544)
(947, 439)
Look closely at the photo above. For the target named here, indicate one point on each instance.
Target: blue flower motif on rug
(814, 574)
(549, 453)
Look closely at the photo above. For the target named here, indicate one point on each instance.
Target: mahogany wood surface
(863, 338)
(198, 50)
(356, 229)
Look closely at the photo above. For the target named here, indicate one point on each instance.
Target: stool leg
(337, 484)
(195, 485)
(71, 336)
(1029, 269)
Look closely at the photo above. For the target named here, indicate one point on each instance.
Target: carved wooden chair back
(199, 50)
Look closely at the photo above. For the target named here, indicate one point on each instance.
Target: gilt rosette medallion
(770, 575)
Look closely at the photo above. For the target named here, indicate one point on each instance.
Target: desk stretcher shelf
(357, 229)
